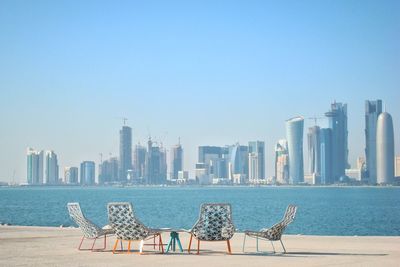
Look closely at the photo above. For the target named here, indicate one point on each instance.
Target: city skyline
(70, 70)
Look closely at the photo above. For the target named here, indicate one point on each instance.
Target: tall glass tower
(125, 152)
(313, 138)
(372, 111)
(257, 152)
(384, 149)
(176, 160)
(294, 136)
(338, 123)
(326, 155)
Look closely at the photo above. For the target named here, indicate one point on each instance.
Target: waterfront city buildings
(125, 153)
(372, 110)
(51, 172)
(337, 117)
(71, 175)
(176, 161)
(282, 162)
(35, 161)
(384, 149)
(294, 136)
(87, 176)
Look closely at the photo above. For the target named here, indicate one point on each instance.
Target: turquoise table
(174, 238)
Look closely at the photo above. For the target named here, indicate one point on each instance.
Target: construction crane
(315, 119)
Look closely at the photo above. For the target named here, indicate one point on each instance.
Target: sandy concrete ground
(46, 246)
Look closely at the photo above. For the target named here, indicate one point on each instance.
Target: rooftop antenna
(101, 158)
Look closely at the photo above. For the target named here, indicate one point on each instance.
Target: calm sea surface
(321, 210)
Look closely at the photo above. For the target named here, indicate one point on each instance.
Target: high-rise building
(156, 170)
(238, 161)
(87, 173)
(397, 166)
(384, 149)
(313, 150)
(257, 151)
(294, 136)
(125, 152)
(176, 161)
(108, 171)
(71, 175)
(326, 156)
(372, 110)
(254, 167)
(34, 166)
(282, 162)
(139, 162)
(338, 123)
(51, 168)
(216, 161)
(207, 153)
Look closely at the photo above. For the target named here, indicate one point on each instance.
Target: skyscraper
(125, 152)
(294, 136)
(238, 160)
(314, 157)
(87, 173)
(34, 166)
(338, 123)
(372, 111)
(254, 167)
(71, 175)
(257, 151)
(282, 162)
(176, 161)
(326, 156)
(51, 168)
(384, 149)
(139, 162)
(156, 170)
(108, 171)
(397, 166)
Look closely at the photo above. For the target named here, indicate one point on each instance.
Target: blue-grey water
(321, 210)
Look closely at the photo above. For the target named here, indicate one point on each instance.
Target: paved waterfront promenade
(47, 246)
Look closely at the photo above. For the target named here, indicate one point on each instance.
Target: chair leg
(257, 243)
(273, 247)
(141, 246)
(198, 246)
(229, 246)
(94, 242)
(160, 244)
(80, 244)
(179, 244)
(190, 243)
(129, 247)
(284, 249)
(115, 245)
(244, 242)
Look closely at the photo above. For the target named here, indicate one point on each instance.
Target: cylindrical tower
(294, 134)
(384, 149)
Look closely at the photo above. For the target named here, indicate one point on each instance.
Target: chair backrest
(290, 214)
(89, 229)
(215, 222)
(276, 231)
(123, 220)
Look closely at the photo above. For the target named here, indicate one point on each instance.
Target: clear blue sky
(211, 72)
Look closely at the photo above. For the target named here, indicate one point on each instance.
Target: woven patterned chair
(89, 229)
(214, 224)
(275, 232)
(128, 227)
